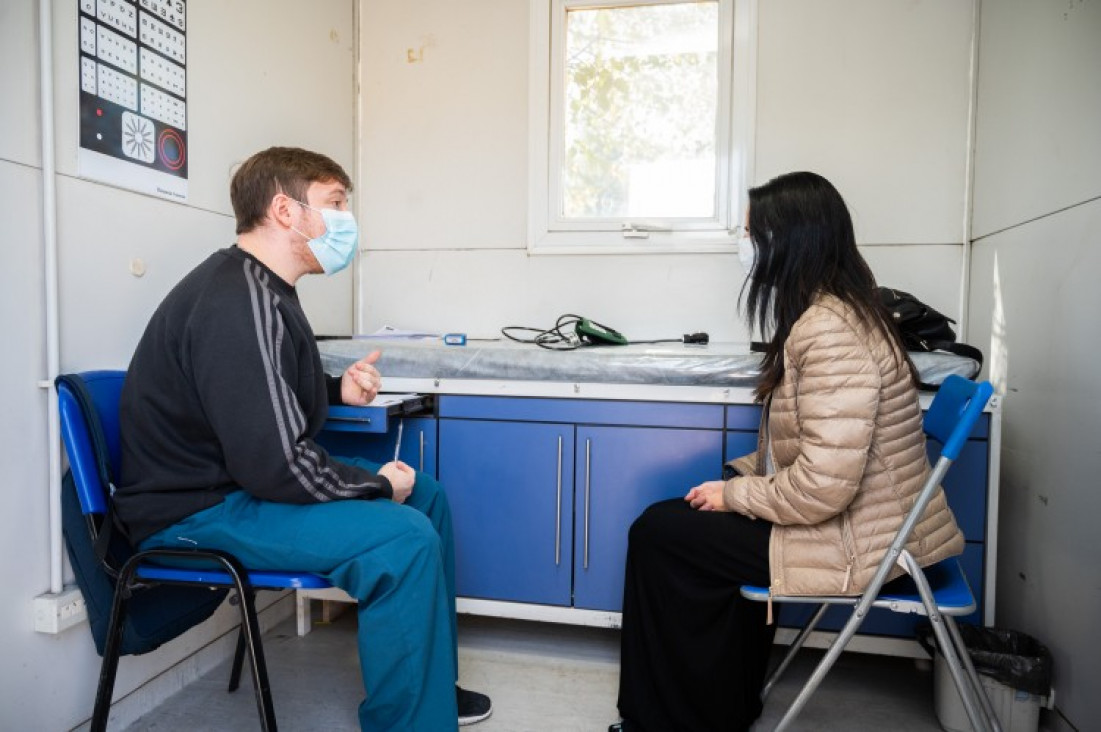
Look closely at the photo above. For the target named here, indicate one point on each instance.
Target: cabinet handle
(558, 510)
(587, 462)
(422, 451)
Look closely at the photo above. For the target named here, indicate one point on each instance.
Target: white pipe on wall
(49, 238)
(969, 176)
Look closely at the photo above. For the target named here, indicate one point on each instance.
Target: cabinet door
(620, 471)
(510, 485)
(739, 444)
(418, 443)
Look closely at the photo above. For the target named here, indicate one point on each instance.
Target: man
(222, 402)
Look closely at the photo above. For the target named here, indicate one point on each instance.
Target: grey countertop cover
(716, 364)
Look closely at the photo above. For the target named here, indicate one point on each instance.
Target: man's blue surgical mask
(335, 248)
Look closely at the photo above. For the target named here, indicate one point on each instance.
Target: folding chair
(91, 438)
(939, 592)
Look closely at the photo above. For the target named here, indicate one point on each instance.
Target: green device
(599, 335)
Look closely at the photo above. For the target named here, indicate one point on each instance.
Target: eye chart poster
(133, 95)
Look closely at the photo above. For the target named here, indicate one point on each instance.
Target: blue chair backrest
(954, 412)
(104, 388)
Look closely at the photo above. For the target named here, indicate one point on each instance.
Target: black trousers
(694, 653)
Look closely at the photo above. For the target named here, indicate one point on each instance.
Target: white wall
(1034, 308)
(873, 94)
(260, 73)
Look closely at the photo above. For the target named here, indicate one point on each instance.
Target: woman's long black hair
(805, 245)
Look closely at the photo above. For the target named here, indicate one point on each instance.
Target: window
(641, 116)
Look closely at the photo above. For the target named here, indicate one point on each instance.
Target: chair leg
(250, 629)
(789, 655)
(972, 675)
(109, 667)
(238, 661)
(824, 666)
(969, 693)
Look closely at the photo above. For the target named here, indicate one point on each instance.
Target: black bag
(922, 327)
(154, 615)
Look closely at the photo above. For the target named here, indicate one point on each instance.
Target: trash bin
(1014, 670)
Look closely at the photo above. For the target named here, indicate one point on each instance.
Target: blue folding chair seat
(91, 438)
(939, 592)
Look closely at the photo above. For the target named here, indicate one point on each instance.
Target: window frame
(551, 233)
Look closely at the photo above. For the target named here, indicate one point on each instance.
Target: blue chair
(91, 438)
(940, 592)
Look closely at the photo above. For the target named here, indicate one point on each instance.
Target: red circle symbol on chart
(171, 147)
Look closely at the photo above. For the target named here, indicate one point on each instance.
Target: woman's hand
(707, 496)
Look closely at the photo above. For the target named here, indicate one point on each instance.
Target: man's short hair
(287, 170)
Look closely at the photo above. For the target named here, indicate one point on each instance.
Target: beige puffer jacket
(844, 428)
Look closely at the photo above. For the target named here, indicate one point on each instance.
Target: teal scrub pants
(396, 560)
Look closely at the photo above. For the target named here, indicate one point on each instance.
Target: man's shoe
(473, 707)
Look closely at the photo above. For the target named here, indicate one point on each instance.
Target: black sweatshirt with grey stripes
(226, 392)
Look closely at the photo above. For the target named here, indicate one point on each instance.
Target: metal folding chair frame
(973, 398)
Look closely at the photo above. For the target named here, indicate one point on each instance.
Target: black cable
(557, 339)
(554, 338)
(693, 338)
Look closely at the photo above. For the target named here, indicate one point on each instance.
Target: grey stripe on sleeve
(318, 479)
(266, 319)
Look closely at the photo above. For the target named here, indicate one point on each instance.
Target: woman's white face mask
(747, 252)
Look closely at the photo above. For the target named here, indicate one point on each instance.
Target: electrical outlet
(160, 71)
(116, 50)
(114, 86)
(119, 14)
(165, 107)
(54, 613)
(170, 10)
(163, 39)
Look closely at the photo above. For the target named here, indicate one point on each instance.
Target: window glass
(641, 94)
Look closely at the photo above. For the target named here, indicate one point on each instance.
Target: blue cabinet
(544, 490)
(542, 508)
(510, 485)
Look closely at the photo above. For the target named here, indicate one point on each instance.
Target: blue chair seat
(259, 580)
(946, 579)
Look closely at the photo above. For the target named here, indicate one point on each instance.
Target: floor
(542, 678)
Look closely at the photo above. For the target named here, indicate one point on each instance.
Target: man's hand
(707, 496)
(360, 382)
(401, 478)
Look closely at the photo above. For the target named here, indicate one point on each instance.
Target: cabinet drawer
(578, 411)
(743, 417)
(376, 417)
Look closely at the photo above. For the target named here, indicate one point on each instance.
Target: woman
(840, 457)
